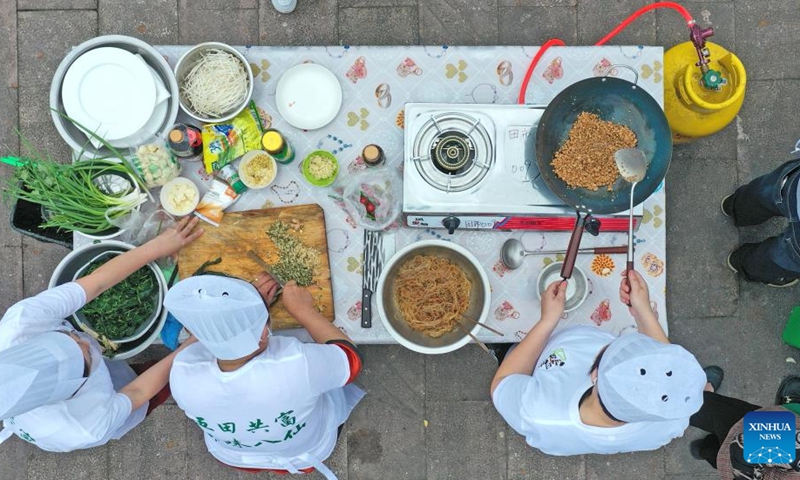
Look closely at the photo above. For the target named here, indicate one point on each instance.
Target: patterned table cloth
(376, 83)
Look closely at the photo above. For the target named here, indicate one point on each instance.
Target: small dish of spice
(320, 168)
(257, 169)
(180, 196)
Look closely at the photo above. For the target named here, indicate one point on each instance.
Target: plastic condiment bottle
(276, 145)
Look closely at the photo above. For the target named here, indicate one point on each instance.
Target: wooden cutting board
(243, 231)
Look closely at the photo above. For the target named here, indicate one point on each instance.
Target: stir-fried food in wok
(587, 157)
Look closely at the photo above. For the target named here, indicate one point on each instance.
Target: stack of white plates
(117, 95)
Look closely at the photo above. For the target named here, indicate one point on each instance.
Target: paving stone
(465, 440)
(154, 21)
(536, 25)
(671, 28)
(378, 26)
(461, 375)
(91, 464)
(458, 22)
(385, 434)
(692, 477)
(596, 19)
(13, 458)
(527, 463)
(699, 238)
(56, 4)
(10, 281)
(719, 145)
(312, 23)
(376, 3)
(625, 465)
(537, 3)
(161, 439)
(765, 31)
(219, 4)
(767, 128)
(45, 38)
(39, 260)
(231, 26)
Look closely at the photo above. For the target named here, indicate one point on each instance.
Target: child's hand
(297, 300)
(266, 286)
(553, 300)
(637, 295)
(177, 237)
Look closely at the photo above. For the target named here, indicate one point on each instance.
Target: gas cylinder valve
(711, 79)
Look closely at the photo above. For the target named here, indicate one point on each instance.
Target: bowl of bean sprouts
(215, 82)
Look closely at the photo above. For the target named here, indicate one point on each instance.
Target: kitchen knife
(373, 262)
(261, 263)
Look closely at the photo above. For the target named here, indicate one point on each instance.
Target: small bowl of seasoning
(320, 168)
(180, 196)
(257, 169)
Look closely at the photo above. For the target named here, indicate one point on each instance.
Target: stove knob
(451, 223)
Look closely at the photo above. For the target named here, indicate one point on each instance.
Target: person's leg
(706, 449)
(760, 199)
(776, 260)
(719, 413)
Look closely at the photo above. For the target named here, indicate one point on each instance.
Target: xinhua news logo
(769, 437)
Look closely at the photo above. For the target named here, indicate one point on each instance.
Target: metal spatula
(632, 165)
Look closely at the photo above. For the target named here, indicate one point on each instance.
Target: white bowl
(189, 59)
(480, 298)
(248, 158)
(167, 190)
(77, 138)
(577, 286)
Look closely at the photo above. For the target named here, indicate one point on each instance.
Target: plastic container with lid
(180, 196)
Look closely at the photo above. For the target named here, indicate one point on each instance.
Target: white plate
(109, 90)
(309, 96)
(151, 128)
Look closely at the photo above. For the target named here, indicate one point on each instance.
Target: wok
(618, 101)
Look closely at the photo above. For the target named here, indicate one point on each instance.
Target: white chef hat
(46, 369)
(226, 315)
(641, 379)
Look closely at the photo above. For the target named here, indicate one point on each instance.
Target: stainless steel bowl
(189, 59)
(74, 136)
(577, 286)
(75, 260)
(480, 298)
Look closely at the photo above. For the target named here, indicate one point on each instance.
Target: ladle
(513, 252)
(632, 165)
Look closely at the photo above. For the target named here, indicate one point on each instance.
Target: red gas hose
(555, 41)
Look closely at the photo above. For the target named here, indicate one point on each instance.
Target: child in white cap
(264, 402)
(581, 390)
(56, 390)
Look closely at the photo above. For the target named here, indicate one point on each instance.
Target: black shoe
(726, 205)
(714, 376)
(694, 448)
(789, 391)
(734, 265)
(499, 350)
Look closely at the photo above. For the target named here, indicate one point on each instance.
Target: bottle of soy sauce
(185, 141)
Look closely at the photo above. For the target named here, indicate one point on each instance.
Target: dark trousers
(717, 415)
(776, 259)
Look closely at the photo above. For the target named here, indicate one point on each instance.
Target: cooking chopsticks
(475, 339)
(487, 327)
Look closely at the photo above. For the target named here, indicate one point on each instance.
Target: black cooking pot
(618, 101)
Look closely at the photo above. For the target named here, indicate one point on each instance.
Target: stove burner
(452, 152)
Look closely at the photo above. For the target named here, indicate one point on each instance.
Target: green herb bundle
(121, 309)
(72, 194)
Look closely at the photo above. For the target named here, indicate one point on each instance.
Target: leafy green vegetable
(121, 309)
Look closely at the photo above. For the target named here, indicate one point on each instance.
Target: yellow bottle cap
(176, 135)
(272, 141)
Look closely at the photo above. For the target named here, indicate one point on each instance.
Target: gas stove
(473, 166)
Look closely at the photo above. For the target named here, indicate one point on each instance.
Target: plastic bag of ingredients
(223, 142)
(219, 197)
(155, 164)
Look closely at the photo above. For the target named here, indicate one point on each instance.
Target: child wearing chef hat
(581, 390)
(56, 390)
(264, 402)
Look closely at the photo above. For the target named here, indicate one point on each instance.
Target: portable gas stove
(473, 166)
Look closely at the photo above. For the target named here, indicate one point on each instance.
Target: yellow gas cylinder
(693, 109)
